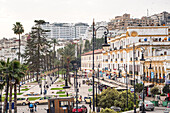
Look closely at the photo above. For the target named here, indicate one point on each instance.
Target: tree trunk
(10, 97)
(15, 98)
(6, 96)
(19, 48)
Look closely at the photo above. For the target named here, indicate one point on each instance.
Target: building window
(63, 103)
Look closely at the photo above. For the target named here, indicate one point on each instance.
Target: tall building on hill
(122, 22)
(65, 30)
(161, 18)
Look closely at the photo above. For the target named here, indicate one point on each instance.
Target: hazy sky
(26, 11)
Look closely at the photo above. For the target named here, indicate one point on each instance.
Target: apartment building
(9, 48)
(154, 40)
(65, 30)
(161, 18)
(87, 61)
(122, 22)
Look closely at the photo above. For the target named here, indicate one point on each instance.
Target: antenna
(147, 12)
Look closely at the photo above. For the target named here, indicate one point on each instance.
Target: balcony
(160, 58)
(121, 59)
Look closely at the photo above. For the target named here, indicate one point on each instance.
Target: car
(81, 109)
(43, 100)
(168, 106)
(87, 100)
(167, 110)
(117, 109)
(147, 104)
(22, 101)
(79, 98)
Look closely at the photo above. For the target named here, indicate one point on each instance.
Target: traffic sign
(152, 74)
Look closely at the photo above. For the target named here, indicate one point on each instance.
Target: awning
(120, 88)
(148, 84)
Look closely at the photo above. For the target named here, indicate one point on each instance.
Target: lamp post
(105, 45)
(150, 67)
(76, 89)
(125, 68)
(1, 82)
(62, 65)
(134, 77)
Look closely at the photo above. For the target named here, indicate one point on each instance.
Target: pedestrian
(31, 106)
(90, 104)
(35, 106)
(79, 84)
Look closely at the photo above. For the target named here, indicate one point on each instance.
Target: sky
(71, 11)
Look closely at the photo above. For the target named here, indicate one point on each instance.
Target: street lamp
(1, 82)
(125, 68)
(105, 46)
(150, 67)
(66, 84)
(75, 65)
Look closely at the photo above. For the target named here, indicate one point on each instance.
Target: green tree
(37, 47)
(155, 90)
(18, 30)
(138, 87)
(68, 54)
(107, 98)
(88, 46)
(166, 89)
(107, 110)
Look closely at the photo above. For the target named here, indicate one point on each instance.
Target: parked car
(117, 109)
(22, 101)
(42, 100)
(81, 109)
(79, 98)
(167, 110)
(87, 100)
(147, 104)
(168, 106)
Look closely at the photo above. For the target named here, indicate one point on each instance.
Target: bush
(155, 90)
(163, 94)
(107, 110)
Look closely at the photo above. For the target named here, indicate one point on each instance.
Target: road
(157, 110)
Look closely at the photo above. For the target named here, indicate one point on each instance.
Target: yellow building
(154, 40)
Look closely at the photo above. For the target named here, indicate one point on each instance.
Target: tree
(18, 30)
(111, 97)
(37, 47)
(139, 87)
(68, 54)
(155, 90)
(107, 110)
(87, 46)
(107, 98)
(166, 89)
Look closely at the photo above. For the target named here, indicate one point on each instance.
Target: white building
(65, 30)
(9, 48)
(155, 40)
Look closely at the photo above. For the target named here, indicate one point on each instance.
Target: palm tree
(19, 72)
(18, 30)
(68, 54)
(5, 69)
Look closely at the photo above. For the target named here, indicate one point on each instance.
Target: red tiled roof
(91, 52)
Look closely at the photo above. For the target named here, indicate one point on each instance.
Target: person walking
(35, 106)
(79, 84)
(31, 107)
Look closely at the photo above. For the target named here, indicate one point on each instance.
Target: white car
(147, 104)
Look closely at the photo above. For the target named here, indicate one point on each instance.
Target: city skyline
(71, 11)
